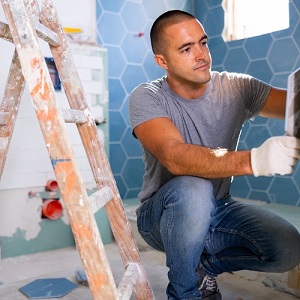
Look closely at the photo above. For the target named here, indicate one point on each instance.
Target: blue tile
(280, 80)
(258, 47)
(239, 187)
(175, 4)
(133, 172)
(214, 23)
(125, 111)
(218, 50)
(283, 61)
(133, 16)
(261, 196)
(116, 61)
(117, 157)
(200, 10)
(116, 94)
(117, 126)
(134, 48)
(256, 136)
(121, 186)
(276, 127)
(111, 29)
(98, 9)
(259, 183)
(112, 6)
(283, 191)
(261, 70)
(154, 8)
(133, 75)
(131, 145)
(152, 70)
(212, 3)
(236, 60)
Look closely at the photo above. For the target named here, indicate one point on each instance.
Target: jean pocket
(151, 240)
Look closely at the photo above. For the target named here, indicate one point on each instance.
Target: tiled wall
(123, 28)
(271, 58)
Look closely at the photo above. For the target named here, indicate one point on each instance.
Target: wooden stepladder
(26, 23)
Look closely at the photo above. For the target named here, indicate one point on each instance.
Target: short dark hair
(166, 19)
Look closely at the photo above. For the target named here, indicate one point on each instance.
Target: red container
(52, 209)
(52, 185)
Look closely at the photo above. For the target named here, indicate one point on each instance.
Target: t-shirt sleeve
(255, 92)
(146, 103)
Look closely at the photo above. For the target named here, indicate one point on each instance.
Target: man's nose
(200, 53)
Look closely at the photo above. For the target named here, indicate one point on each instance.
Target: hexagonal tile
(236, 60)
(276, 127)
(261, 196)
(132, 77)
(48, 288)
(200, 10)
(111, 28)
(175, 4)
(121, 186)
(131, 144)
(258, 46)
(152, 70)
(256, 136)
(117, 157)
(117, 126)
(218, 50)
(280, 80)
(261, 70)
(278, 55)
(134, 16)
(214, 23)
(116, 94)
(116, 61)
(259, 183)
(239, 187)
(112, 6)
(134, 48)
(133, 172)
(279, 188)
(154, 8)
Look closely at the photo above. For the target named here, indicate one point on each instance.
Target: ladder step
(128, 281)
(74, 116)
(43, 32)
(100, 199)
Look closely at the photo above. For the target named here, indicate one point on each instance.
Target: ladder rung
(42, 31)
(128, 281)
(74, 116)
(4, 118)
(100, 198)
(46, 34)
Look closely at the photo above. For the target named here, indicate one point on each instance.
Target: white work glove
(277, 155)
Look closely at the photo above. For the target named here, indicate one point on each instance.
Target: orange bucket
(52, 209)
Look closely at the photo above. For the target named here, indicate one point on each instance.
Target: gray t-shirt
(213, 120)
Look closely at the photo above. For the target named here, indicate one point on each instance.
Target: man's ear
(161, 61)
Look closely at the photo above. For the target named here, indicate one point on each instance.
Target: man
(188, 123)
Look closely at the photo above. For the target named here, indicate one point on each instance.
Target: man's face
(186, 57)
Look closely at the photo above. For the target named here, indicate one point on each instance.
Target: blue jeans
(184, 220)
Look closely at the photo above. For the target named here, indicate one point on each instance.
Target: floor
(244, 285)
(19, 271)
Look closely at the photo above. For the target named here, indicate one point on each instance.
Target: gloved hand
(277, 155)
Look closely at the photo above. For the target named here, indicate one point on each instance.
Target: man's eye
(186, 50)
(204, 43)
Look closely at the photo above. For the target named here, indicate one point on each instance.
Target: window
(247, 18)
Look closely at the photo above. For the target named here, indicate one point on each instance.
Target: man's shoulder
(153, 86)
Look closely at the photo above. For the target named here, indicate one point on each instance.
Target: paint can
(52, 209)
(52, 185)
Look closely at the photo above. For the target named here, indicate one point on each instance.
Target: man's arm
(275, 104)
(161, 137)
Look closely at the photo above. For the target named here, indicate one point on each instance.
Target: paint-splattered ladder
(26, 23)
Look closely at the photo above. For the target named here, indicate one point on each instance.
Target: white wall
(28, 163)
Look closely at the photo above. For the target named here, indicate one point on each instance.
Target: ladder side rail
(82, 221)
(97, 157)
(10, 105)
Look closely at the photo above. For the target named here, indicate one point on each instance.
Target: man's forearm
(186, 159)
